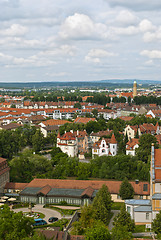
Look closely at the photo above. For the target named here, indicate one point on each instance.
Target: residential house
(96, 136)
(68, 143)
(11, 126)
(107, 113)
(84, 120)
(107, 147)
(131, 131)
(131, 145)
(50, 125)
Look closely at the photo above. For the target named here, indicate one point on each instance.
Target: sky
(79, 40)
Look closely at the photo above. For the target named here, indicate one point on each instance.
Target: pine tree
(123, 219)
(102, 204)
(126, 190)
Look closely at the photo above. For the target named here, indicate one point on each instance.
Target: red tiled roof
(113, 139)
(131, 144)
(88, 191)
(45, 189)
(12, 185)
(2, 159)
(126, 118)
(83, 120)
(113, 186)
(52, 122)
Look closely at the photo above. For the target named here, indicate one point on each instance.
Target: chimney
(77, 132)
(136, 181)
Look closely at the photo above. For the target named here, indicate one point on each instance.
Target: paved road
(110, 226)
(39, 208)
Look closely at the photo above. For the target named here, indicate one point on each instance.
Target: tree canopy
(14, 226)
(126, 190)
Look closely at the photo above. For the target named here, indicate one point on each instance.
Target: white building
(131, 145)
(105, 147)
(68, 143)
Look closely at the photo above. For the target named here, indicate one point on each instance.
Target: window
(145, 187)
(147, 216)
(103, 145)
(103, 150)
(128, 209)
(141, 196)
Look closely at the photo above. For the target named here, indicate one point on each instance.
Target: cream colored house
(131, 131)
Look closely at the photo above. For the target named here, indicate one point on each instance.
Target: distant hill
(110, 83)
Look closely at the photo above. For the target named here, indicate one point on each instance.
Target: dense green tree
(144, 149)
(87, 216)
(95, 113)
(123, 219)
(121, 233)
(102, 204)
(77, 105)
(27, 165)
(126, 190)
(98, 232)
(51, 139)
(14, 226)
(156, 224)
(83, 170)
(37, 141)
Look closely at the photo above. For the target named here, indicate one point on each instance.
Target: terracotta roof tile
(12, 185)
(113, 186)
(83, 120)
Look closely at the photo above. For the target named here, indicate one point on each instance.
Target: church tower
(134, 89)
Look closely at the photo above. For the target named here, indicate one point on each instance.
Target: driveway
(39, 208)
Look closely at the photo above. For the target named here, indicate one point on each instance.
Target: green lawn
(117, 205)
(139, 228)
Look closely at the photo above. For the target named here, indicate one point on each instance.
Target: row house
(62, 113)
(107, 147)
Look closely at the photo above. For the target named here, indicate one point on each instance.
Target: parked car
(53, 219)
(39, 221)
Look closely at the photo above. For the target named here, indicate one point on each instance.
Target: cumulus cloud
(95, 55)
(154, 54)
(126, 18)
(14, 30)
(152, 36)
(81, 26)
(145, 26)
